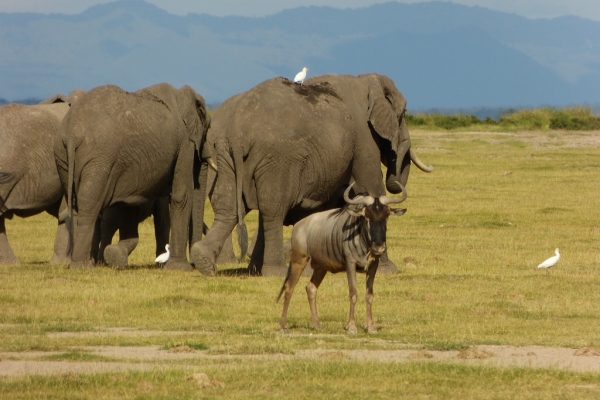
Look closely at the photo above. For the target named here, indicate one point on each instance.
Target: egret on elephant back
(300, 76)
(290, 150)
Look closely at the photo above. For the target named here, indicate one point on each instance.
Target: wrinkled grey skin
(289, 150)
(118, 147)
(29, 182)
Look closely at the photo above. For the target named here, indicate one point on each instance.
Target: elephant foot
(202, 261)
(386, 267)
(274, 270)
(178, 265)
(59, 260)
(82, 264)
(9, 260)
(115, 256)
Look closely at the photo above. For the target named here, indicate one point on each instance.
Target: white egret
(551, 261)
(164, 257)
(300, 76)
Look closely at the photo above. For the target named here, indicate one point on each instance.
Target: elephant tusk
(417, 161)
(212, 164)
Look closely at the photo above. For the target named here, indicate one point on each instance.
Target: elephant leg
(117, 254)
(162, 223)
(273, 264)
(109, 224)
(227, 255)
(61, 245)
(61, 242)
(181, 210)
(205, 252)
(85, 219)
(258, 249)
(7, 257)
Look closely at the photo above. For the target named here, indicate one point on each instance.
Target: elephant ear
(193, 113)
(382, 111)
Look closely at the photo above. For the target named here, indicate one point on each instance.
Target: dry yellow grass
(496, 205)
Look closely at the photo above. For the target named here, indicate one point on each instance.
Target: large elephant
(29, 182)
(117, 147)
(290, 150)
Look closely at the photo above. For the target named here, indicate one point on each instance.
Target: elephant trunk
(199, 201)
(399, 161)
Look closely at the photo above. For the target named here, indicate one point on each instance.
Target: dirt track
(152, 357)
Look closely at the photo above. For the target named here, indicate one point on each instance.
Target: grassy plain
(496, 205)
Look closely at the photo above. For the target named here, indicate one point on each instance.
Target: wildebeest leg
(351, 274)
(311, 293)
(297, 265)
(370, 327)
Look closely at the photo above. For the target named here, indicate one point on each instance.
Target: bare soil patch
(128, 358)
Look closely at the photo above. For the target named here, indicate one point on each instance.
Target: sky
(589, 9)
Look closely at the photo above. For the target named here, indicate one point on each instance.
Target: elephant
(290, 150)
(29, 182)
(117, 147)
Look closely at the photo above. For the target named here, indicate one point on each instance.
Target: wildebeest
(343, 239)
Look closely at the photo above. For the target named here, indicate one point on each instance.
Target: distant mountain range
(441, 55)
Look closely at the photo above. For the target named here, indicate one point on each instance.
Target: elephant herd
(106, 159)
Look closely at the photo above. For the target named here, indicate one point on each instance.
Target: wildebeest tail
(287, 277)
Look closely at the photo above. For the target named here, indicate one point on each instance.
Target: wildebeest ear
(397, 211)
(356, 211)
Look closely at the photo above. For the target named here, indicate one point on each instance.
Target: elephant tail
(242, 231)
(70, 184)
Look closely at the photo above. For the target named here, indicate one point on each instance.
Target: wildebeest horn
(420, 164)
(392, 200)
(358, 200)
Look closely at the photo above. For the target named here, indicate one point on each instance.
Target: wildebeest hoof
(178, 265)
(370, 330)
(351, 329)
(274, 270)
(115, 256)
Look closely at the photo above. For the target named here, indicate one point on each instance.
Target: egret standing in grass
(300, 76)
(551, 261)
(164, 257)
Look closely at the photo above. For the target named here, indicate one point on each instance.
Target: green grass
(544, 119)
(496, 205)
(300, 379)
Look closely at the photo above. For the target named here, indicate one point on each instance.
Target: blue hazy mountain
(441, 55)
